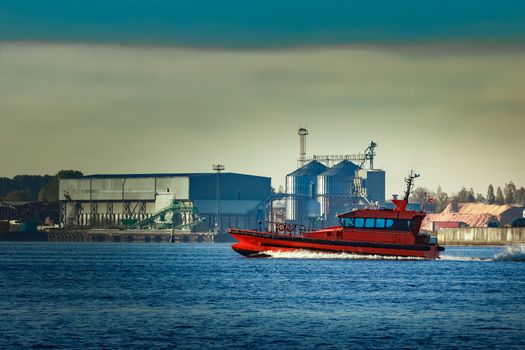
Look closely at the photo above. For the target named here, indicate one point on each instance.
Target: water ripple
(206, 296)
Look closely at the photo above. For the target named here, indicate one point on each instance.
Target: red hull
(256, 243)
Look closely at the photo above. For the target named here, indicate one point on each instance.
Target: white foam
(462, 258)
(306, 254)
(512, 253)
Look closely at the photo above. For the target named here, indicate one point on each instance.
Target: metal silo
(335, 189)
(301, 186)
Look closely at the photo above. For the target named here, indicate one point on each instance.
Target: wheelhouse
(388, 220)
(376, 223)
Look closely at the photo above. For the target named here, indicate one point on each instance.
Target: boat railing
(283, 228)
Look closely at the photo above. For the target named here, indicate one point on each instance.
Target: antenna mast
(410, 182)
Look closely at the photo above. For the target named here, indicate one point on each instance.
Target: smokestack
(302, 132)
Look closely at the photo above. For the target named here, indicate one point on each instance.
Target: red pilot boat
(388, 232)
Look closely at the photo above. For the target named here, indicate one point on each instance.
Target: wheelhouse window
(347, 222)
(379, 223)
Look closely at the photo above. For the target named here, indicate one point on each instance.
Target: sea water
(200, 296)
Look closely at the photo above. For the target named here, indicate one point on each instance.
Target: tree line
(42, 188)
(509, 194)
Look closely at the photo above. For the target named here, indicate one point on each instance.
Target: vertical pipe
(302, 132)
(218, 168)
(218, 198)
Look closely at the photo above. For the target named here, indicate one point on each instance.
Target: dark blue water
(207, 296)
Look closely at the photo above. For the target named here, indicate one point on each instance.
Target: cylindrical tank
(301, 186)
(335, 187)
(313, 209)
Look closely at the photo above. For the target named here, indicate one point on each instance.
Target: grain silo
(335, 190)
(301, 187)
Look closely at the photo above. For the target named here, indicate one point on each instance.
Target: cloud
(145, 109)
(252, 24)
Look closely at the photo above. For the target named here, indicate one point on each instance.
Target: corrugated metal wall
(375, 186)
(105, 201)
(233, 187)
(117, 189)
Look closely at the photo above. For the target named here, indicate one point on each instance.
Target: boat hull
(259, 244)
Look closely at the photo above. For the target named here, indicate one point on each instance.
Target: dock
(470, 236)
(110, 235)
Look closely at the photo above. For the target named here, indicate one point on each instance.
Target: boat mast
(410, 182)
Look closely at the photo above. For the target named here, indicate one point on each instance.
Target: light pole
(218, 168)
(123, 206)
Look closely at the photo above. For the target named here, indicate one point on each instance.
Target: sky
(176, 86)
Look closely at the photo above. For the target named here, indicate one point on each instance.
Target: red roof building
(472, 215)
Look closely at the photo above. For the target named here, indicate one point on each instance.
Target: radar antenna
(410, 182)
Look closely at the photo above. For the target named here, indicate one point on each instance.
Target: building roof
(136, 176)
(19, 203)
(343, 168)
(478, 208)
(472, 220)
(8, 205)
(313, 168)
(474, 214)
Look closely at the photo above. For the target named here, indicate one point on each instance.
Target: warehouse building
(115, 199)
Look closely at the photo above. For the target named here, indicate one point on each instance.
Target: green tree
(49, 193)
(31, 184)
(520, 196)
(480, 198)
(17, 196)
(7, 185)
(420, 195)
(471, 197)
(499, 196)
(463, 196)
(491, 198)
(442, 200)
(510, 193)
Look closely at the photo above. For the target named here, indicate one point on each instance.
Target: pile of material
(474, 215)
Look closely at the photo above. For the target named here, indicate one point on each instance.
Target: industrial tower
(302, 132)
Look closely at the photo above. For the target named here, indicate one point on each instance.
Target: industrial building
(301, 189)
(195, 200)
(326, 185)
(7, 211)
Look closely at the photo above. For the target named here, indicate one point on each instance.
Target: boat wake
(305, 254)
(512, 253)
(462, 258)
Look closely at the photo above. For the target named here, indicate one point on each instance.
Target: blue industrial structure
(112, 199)
(316, 193)
(301, 188)
(336, 190)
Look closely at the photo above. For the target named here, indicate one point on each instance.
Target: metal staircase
(178, 215)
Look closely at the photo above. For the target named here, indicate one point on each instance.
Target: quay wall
(481, 236)
(102, 235)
